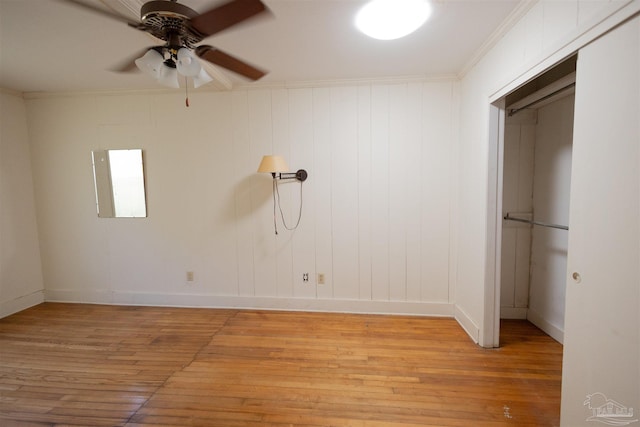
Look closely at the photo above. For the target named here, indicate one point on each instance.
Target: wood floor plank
(76, 364)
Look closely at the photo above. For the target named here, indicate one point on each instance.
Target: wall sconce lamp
(277, 167)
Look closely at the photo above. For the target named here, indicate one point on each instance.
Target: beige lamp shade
(273, 164)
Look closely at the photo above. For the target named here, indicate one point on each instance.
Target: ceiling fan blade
(105, 13)
(226, 15)
(218, 57)
(128, 65)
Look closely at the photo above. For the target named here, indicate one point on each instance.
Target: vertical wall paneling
(517, 191)
(454, 186)
(246, 166)
(436, 191)
(288, 191)
(412, 190)
(551, 194)
(525, 159)
(21, 283)
(261, 136)
(522, 270)
(365, 191)
(509, 204)
(213, 233)
(322, 188)
(344, 191)
(375, 204)
(525, 204)
(126, 263)
(61, 135)
(303, 239)
(132, 245)
(507, 269)
(398, 135)
(380, 201)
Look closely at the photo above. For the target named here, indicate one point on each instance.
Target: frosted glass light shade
(202, 78)
(151, 63)
(169, 77)
(392, 19)
(273, 164)
(168, 72)
(187, 64)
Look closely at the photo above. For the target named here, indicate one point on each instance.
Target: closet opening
(536, 177)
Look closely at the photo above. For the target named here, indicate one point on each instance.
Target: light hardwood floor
(93, 365)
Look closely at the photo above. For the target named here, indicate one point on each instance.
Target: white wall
(377, 203)
(551, 190)
(535, 39)
(21, 284)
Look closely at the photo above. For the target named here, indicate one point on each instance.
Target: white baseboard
(513, 312)
(553, 331)
(261, 303)
(467, 324)
(15, 305)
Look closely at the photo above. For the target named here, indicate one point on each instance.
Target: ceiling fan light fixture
(167, 72)
(392, 19)
(182, 28)
(169, 77)
(151, 63)
(201, 79)
(187, 64)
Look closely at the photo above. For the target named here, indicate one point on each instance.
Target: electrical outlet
(189, 276)
(305, 277)
(320, 278)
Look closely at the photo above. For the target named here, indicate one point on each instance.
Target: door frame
(493, 260)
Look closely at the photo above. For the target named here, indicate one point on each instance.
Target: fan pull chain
(186, 92)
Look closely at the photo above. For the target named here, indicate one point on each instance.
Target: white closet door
(601, 364)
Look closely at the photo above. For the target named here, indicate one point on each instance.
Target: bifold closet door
(601, 364)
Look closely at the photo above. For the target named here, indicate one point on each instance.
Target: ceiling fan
(182, 28)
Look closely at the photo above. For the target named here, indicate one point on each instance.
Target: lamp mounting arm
(300, 175)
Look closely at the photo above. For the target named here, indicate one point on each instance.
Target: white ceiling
(51, 46)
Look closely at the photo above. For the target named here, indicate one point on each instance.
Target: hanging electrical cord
(276, 199)
(273, 193)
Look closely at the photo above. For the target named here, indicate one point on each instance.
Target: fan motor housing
(166, 19)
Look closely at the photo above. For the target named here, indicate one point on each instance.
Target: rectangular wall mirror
(119, 183)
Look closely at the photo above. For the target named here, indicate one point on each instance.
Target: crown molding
(79, 93)
(390, 80)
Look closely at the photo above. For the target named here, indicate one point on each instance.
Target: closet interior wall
(536, 183)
